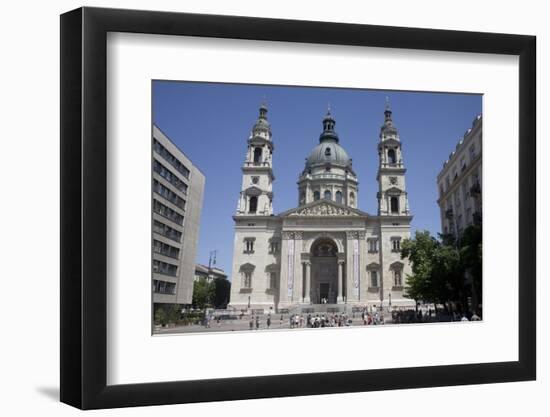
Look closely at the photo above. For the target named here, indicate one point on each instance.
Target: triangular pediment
(393, 191)
(323, 208)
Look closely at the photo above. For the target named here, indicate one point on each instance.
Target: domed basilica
(325, 254)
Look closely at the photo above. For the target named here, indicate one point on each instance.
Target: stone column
(307, 295)
(341, 265)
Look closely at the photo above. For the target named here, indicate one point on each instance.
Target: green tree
(222, 290)
(203, 293)
(437, 271)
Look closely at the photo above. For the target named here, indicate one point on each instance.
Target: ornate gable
(323, 208)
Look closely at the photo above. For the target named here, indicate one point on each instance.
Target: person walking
(268, 322)
(251, 323)
(257, 322)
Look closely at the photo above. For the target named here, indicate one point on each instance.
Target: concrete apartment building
(177, 195)
(202, 271)
(460, 183)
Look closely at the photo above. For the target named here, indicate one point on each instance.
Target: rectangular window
(374, 279)
(274, 246)
(272, 280)
(249, 245)
(247, 280)
(373, 245)
(398, 282)
(472, 152)
(395, 244)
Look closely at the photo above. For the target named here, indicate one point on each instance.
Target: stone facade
(460, 183)
(178, 188)
(326, 250)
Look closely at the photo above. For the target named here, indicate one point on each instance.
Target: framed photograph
(257, 208)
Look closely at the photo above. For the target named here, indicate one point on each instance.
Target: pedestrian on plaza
(308, 324)
(251, 323)
(281, 321)
(301, 320)
(268, 322)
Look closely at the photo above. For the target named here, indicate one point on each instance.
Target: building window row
(165, 268)
(167, 231)
(165, 249)
(166, 154)
(167, 212)
(168, 194)
(163, 287)
(169, 176)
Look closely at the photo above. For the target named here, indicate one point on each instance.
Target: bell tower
(392, 194)
(256, 197)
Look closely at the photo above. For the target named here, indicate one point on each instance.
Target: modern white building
(460, 183)
(325, 251)
(177, 196)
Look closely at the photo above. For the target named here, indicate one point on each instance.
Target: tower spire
(387, 110)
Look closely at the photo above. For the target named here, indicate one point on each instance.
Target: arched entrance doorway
(324, 271)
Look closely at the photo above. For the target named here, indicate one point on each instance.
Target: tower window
(249, 245)
(352, 199)
(257, 155)
(391, 156)
(327, 152)
(247, 278)
(394, 205)
(374, 279)
(339, 197)
(395, 244)
(316, 195)
(328, 195)
(253, 205)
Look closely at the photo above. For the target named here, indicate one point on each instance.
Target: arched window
(327, 195)
(257, 155)
(394, 205)
(352, 199)
(316, 195)
(339, 197)
(253, 205)
(391, 156)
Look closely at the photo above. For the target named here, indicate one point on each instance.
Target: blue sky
(211, 122)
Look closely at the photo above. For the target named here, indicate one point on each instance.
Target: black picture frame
(84, 207)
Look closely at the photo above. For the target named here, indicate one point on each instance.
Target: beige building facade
(178, 187)
(460, 183)
(325, 251)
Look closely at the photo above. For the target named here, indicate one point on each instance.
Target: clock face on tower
(255, 180)
(393, 180)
